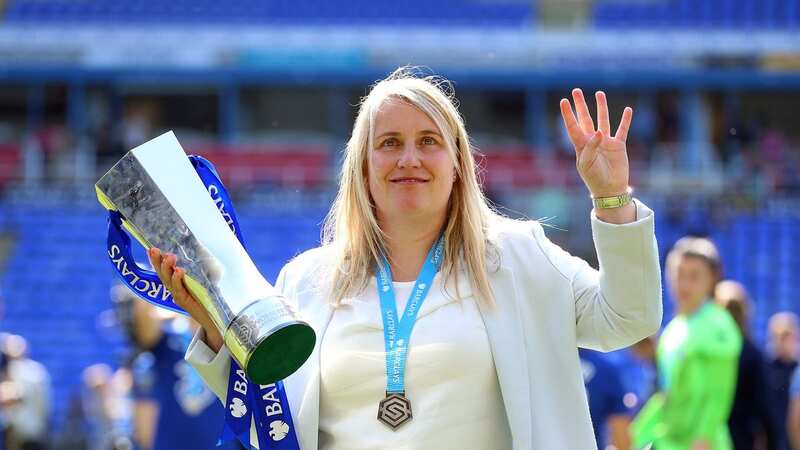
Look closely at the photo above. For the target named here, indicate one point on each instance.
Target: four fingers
(578, 128)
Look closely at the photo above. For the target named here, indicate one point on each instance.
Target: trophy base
(268, 341)
(281, 353)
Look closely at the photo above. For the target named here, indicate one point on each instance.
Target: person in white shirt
(25, 396)
(498, 311)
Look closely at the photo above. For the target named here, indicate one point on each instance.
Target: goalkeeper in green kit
(697, 359)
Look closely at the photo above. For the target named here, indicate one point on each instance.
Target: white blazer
(549, 303)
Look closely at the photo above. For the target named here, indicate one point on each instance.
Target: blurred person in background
(750, 422)
(782, 349)
(25, 397)
(57, 145)
(107, 403)
(697, 359)
(99, 417)
(6, 400)
(610, 416)
(172, 409)
(644, 354)
(793, 420)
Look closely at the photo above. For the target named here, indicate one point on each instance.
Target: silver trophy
(163, 203)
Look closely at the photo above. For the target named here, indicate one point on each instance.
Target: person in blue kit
(173, 409)
(751, 423)
(782, 360)
(610, 416)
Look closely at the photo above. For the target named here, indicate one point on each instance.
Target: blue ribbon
(245, 400)
(273, 418)
(144, 283)
(397, 331)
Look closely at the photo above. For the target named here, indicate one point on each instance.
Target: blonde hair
(733, 296)
(351, 229)
(697, 247)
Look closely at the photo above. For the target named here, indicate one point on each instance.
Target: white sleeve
(620, 304)
(212, 367)
(30, 416)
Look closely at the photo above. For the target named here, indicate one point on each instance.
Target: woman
(697, 359)
(750, 423)
(493, 362)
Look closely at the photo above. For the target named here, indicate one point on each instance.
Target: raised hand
(602, 159)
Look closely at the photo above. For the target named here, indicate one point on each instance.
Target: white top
(450, 377)
(29, 417)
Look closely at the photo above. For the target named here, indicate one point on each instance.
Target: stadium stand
(729, 14)
(56, 288)
(10, 162)
(282, 12)
(56, 279)
(295, 166)
(57, 246)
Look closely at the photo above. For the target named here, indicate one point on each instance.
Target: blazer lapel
(507, 341)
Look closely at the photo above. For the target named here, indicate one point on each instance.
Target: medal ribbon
(245, 399)
(397, 330)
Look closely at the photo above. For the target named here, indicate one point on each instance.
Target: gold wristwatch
(616, 201)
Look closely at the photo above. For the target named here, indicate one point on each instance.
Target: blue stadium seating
(723, 14)
(276, 12)
(765, 14)
(57, 281)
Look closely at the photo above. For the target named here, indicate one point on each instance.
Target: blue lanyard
(397, 331)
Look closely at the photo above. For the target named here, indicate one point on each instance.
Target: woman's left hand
(602, 159)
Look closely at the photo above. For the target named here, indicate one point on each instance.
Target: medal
(394, 410)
